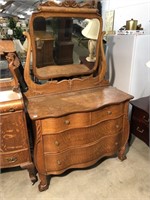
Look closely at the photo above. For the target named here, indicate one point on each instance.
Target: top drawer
(11, 106)
(10, 101)
(78, 120)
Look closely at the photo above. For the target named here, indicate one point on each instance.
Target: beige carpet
(110, 179)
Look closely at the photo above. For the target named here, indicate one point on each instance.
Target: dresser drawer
(13, 131)
(81, 136)
(140, 115)
(109, 112)
(141, 131)
(14, 159)
(11, 106)
(77, 120)
(81, 156)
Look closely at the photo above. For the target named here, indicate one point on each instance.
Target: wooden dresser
(75, 130)
(14, 148)
(77, 117)
(140, 119)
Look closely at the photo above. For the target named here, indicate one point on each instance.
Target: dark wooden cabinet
(44, 49)
(139, 125)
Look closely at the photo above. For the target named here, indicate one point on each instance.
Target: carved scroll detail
(67, 4)
(38, 131)
(13, 62)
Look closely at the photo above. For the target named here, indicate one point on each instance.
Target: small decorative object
(109, 22)
(91, 32)
(131, 24)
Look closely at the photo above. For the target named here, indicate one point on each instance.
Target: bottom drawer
(81, 156)
(14, 159)
(141, 131)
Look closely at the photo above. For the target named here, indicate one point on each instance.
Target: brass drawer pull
(58, 162)
(11, 160)
(117, 126)
(140, 131)
(109, 112)
(57, 143)
(11, 110)
(145, 120)
(67, 122)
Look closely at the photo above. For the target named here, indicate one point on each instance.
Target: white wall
(128, 9)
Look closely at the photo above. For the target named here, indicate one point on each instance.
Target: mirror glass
(62, 43)
(5, 74)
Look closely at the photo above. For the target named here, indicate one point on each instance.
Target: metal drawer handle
(140, 131)
(109, 112)
(146, 120)
(11, 110)
(67, 122)
(56, 143)
(58, 162)
(117, 126)
(11, 160)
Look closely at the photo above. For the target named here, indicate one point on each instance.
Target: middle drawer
(81, 136)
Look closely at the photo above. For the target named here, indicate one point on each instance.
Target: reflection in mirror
(91, 32)
(5, 74)
(59, 41)
(5, 47)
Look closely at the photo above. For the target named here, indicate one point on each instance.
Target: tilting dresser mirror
(78, 118)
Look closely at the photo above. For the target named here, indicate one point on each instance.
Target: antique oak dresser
(77, 116)
(14, 145)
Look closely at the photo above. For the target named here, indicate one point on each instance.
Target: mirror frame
(68, 9)
(65, 9)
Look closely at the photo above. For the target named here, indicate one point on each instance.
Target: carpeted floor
(110, 179)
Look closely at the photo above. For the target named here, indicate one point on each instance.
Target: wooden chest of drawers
(14, 146)
(140, 119)
(75, 130)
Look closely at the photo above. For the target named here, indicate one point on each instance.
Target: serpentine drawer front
(78, 120)
(80, 156)
(77, 137)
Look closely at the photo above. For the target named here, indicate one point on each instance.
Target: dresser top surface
(71, 102)
(142, 103)
(9, 95)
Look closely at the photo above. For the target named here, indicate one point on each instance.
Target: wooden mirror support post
(78, 117)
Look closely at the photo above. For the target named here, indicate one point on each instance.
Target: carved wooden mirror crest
(59, 49)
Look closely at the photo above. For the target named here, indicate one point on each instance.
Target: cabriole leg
(44, 183)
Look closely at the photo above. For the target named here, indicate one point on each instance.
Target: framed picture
(109, 21)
